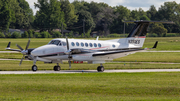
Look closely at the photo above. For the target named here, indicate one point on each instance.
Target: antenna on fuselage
(97, 38)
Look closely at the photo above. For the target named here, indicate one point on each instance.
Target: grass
(10, 55)
(165, 43)
(171, 57)
(90, 86)
(26, 65)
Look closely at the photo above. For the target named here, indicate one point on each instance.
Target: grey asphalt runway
(91, 71)
(8, 52)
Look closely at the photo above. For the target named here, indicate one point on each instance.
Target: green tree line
(82, 16)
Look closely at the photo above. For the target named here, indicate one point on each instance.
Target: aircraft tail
(137, 35)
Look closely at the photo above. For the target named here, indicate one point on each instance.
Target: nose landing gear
(34, 67)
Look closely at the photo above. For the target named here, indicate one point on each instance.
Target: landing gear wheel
(34, 68)
(100, 68)
(57, 68)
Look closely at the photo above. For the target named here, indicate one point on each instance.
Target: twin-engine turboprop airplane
(92, 51)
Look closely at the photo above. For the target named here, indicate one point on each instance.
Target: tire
(54, 68)
(100, 68)
(57, 68)
(34, 68)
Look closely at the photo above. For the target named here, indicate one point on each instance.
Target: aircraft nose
(35, 52)
(46, 49)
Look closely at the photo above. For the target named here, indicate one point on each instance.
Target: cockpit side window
(55, 42)
(64, 43)
(52, 41)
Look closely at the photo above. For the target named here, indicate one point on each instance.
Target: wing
(116, 52)
(123, 51)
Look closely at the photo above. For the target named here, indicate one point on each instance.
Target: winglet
(9, 44)
(155, 45)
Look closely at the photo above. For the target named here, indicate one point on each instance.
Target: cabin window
(99, 45)
(90, 44)
(72, 43)
(82, 44)
(77, 43)
(86, 44)
(113, 46)
(95, 45)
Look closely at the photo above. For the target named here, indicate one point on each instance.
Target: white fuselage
(55, 51)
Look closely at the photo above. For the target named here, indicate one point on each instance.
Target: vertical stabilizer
(140, 29)
(137, 35)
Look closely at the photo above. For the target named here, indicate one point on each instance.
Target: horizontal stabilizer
(13, 49)
(8, 48)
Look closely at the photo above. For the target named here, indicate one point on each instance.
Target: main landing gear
(57, 68)
(100, 68)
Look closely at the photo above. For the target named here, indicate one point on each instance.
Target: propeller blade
(19, 47)
(27, 44)
(69, 64)
(21, 60)
(69, 55)
(67, 43)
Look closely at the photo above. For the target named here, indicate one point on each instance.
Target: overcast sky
(130, 4)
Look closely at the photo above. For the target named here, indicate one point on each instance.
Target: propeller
(69, 53)
(19, 47)
(21, 60)
(24, 52)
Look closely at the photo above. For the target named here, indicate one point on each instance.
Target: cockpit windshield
(55, 42)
